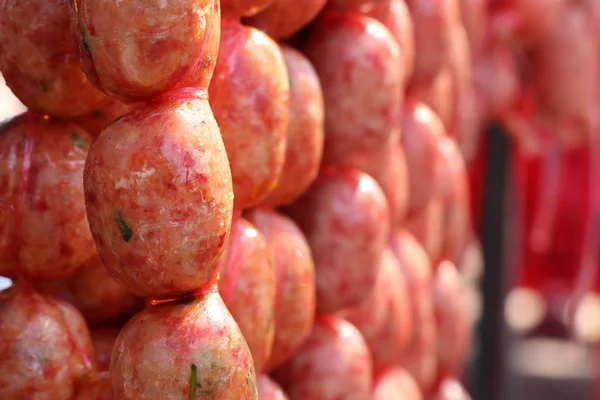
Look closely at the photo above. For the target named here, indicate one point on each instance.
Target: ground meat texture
(43, 226)
(385, 318)
(184, 349)
(269, 390)
(237, 8)
(95, 294)
(346, 220)
(135, 50)
(305, 134)
(433, 21)
(249, 96)
(454, 189)
(420, 359)
(396, 384)
(421, 131)
(357, 60)
(399, 22)
(283, 18)
(295, 273)
(102, 117)
(39, 60)
(333, 363)
(451, 389)
(247, 285)
(454, 328)
(159, 196)
(46, 349)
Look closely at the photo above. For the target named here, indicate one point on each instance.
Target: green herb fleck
(251, 381)
(78, 140)
(86, 45)
(118, 119)
(42, 358)
(126, 231)
(193, 381)
(98, 113)
(291, 82)
(44, 86)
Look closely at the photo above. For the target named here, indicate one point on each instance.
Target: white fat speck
(124, 183)
(145, 173)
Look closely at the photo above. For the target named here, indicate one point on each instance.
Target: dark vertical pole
(489, 370)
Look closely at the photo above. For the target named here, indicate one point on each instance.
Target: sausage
(464, 123)
(333, 363)
(389, 169)
(237, 8)
(269, 390)
(295, 290)
(433, 21)
(475, 17)
(420, 359)
(134, 51)
(39, 60)
(400, 24)
(46, 348)
(94, 293)
(396, 384)
(346, 219)
(454, 189)
(358, 61)
(437, 94)
(421, 131)
(189, 348)
(249, 96)
(305, 131)
(284, 18)
(159, 196)
(43, 225)
(454, 328)
(428, 227)
(385, 318)
(247, 286)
